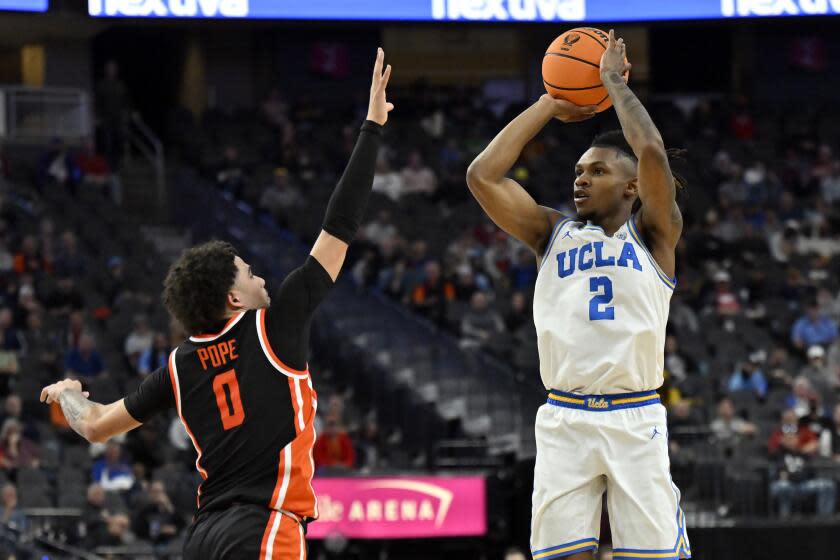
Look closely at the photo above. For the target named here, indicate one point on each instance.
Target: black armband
(348, 202)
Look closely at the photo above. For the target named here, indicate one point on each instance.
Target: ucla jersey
(600, 307)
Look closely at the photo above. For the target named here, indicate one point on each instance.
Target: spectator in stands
(111, 471)
(138, 341)
(830, 184)
(94, 514)
(387, 182)
(69, 261)
(465, 283)
(115, 533)
(58, 167)
(813, 328)
(741, 123)
(13, 408)
(86, 360)
(803, 397)
(793, 446)
(682, 316)
(417, 177)
(7, 259)
(783, 242)
(30, 259)
(180, 440)
(818, 372)
(41, 344)
(66, 298)
(432, 294)
(281, 198)
(231, 175)
(113, 284)
(75, 328)
(779, 367)
(16, 450)
(112, 111)
(394, 279)
(368, 446)
(158, 521)
(11, 515)
(750, 377)
(96, 173)
(275, 109)
(724, 299)
(155, 357)
(11, 339)
(677, 363)
(831, 432)
(480, 324)
(381, 230)
(684, 425)
(728, 429)
(523, 273)
(143, 446)
(333, 448)
(518, 313)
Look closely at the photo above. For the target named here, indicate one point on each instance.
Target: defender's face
(603, 179)
(248, 288)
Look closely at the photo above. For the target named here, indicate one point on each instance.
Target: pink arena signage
(400, 507)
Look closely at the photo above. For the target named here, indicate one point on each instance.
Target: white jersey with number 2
(600, 308)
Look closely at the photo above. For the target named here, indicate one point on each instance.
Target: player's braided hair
(197, 284)
(615, 139)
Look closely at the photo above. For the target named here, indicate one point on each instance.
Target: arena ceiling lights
(451, 10)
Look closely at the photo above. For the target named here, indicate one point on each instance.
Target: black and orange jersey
(246, 399)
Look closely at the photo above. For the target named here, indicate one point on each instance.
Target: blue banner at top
(25, 5)
(458, 10)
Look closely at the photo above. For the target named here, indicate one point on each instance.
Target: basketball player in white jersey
(600, 307)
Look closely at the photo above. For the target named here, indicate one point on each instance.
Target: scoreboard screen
(456, 10)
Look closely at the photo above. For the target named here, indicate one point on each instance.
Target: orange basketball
(571, 67)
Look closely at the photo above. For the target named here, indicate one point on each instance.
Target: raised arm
(506, 202)
(660, 218)
(349, 200)
(93, 421)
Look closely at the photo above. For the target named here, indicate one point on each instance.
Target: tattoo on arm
(76, 410)
(635, 120)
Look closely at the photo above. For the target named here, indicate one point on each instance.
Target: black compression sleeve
(349, 200)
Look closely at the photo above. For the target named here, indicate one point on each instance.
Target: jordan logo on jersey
(592, 254)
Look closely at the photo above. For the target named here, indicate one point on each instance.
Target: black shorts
(245, 532)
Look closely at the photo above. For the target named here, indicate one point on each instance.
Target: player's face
(248, 288)
(604, 182)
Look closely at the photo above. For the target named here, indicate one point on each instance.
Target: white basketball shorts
(618, 444)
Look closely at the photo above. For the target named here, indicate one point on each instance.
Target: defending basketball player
(600, 307)
(244, 392)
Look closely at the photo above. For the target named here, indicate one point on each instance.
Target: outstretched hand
(379, 107)
(614, 58)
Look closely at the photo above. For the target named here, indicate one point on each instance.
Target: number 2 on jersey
(596, 313)
(229, 401)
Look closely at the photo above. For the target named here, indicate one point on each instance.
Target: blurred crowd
(752, 357)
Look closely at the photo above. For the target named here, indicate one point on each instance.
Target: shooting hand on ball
(566, 111)
(614, 58)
